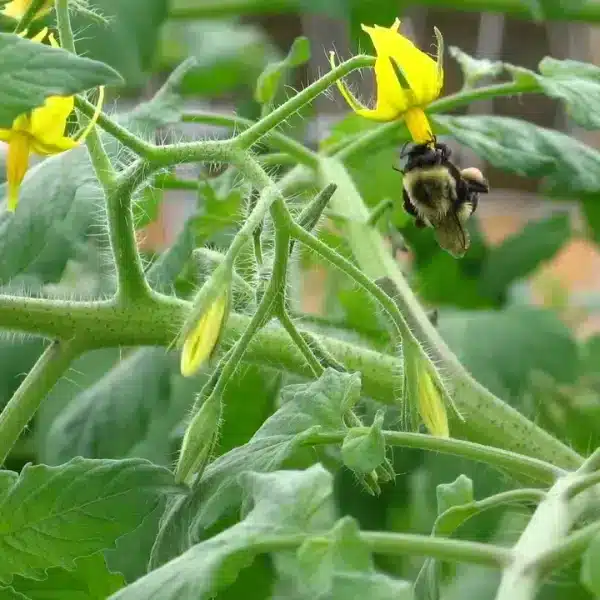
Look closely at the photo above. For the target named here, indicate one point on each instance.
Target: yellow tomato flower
(17, 8)
(407, 80)
(202, 339)
(41, 131)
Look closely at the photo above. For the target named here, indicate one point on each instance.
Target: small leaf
(90, 580)
(460, 491)
(569, 167)
(53, 515)
(282, 503)
(268, 81)
(31, 72)
(338, 565)
(364, 451)
(475, 69)
(590, 567)
(521, 253)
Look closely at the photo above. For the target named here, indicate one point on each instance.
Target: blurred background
(234, 39)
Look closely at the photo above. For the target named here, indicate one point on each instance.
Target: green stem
(288, 325)
(451, 550)
(24, 403)
(517, 465)
(486, 417)
(131, 281)
(276, 139)
(120, 133)
(567, 551)
(251, 135)
(100, 162)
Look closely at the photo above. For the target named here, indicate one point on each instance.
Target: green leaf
(129, 41)
(460, 491)
(304, 406)
(521, 253)
(590, 567)
(338, 565)
(90, 580)
(503, 348)
(31, 72)
(229, 55)
(267, 84)
(573, 82)
(50, 516)
(568, 166)
(282, 503)
(126, 413)
(364, 451)
(58, 197)
(475, 69)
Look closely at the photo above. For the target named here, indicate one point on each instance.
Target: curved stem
(288, 325)
(251, 135)
(24, 403)
(516, 464)
(131, 281)
(451, 550)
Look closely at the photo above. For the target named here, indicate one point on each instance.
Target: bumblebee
(439, 195)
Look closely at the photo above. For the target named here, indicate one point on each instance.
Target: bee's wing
(451, 235)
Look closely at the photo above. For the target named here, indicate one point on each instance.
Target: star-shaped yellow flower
(17, 8)
(407, 80)
(41, 131)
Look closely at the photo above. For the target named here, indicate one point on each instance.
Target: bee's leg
(419, 223)
(408, 206)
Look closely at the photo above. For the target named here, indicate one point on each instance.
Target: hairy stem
(517, 465)
(24, 403)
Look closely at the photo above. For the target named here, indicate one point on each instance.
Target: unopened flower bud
(202, 330)
(199, 440)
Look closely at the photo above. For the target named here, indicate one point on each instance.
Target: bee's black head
(428, 154)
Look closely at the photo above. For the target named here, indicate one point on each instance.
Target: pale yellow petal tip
(432, 407)
(13, 199)
(202, 339)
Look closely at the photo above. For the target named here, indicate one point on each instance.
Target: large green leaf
(282, 503)
(503, 348)
(320, 403)
(521, 253)
(58, 199)
(90, 580)
(126, 413)
(32, 71)
(568, 166)
(574, 82)
(128, 42)
(49, 516)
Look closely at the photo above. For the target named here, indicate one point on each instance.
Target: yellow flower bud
(202, 338)
(431, 403)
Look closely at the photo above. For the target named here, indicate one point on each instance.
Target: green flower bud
(199, 440)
